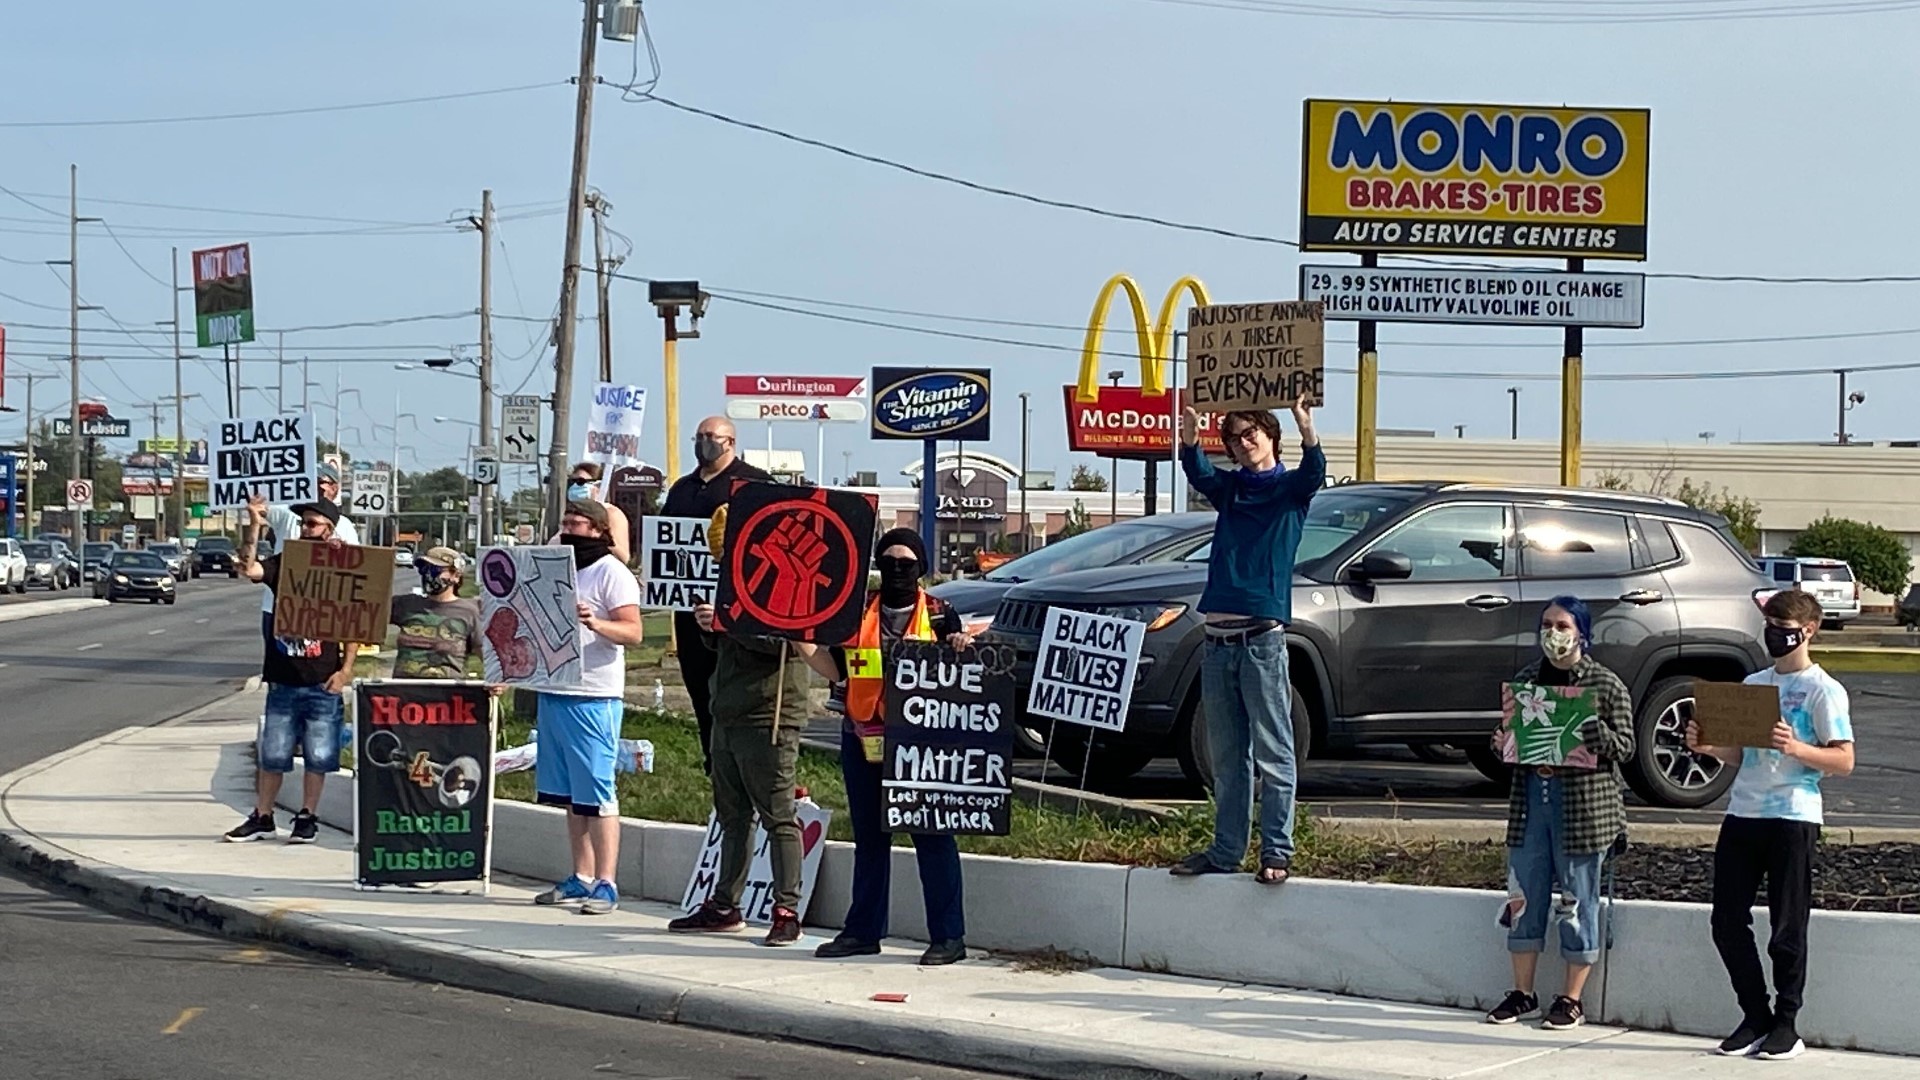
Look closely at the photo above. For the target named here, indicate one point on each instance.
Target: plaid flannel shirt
(1594, 811)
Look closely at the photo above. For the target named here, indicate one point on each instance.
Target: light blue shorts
(579, 739)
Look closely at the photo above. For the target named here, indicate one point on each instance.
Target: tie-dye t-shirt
(1773, 785)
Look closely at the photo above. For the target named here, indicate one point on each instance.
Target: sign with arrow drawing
(528, 618)
(520, 430)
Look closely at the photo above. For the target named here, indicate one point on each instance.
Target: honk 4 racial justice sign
(423, 781)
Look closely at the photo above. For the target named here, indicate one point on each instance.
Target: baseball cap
(590, 510)
(328, 472)
(444, 557)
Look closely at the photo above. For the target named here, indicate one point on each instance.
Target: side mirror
(1382, 566)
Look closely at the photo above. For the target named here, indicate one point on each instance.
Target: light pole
(1113, 514)
(668, 298)
(1026, 415)
(1847, 403)
(1514, 393)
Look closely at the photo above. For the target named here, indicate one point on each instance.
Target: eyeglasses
(1244, 435)
(579, 480)
(313, 524)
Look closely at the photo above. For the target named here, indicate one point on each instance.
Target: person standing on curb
(304, 680)
(583, 485)
(580, 726)
(1562, 823)
(438, 630)
(285, 523)
(902, 611)
(1247, 601)
(698, 495)
(1772, 828)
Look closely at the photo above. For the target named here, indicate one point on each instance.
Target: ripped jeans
(1537, 864)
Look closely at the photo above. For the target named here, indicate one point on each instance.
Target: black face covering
(899, 580)
(1782, 640)
(587, 550)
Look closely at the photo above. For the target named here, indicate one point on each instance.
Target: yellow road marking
(182, 1020)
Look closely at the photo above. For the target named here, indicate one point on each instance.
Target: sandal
(1272, 872)
(1197, 864)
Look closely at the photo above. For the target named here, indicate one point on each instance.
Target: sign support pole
(929, 497)
(1174, 385)
(1571, 365)
(1367, 395)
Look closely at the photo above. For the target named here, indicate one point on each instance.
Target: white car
(403, 557)
(13, 566)
(1831, 582)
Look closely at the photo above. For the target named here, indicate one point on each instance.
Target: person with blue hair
(1563, 821)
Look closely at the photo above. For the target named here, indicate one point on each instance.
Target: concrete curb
(36, 608)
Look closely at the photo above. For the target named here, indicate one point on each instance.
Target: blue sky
(1778, 150)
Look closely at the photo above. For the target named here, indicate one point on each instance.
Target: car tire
(1196, 761)
(1663, 771)
(1486, 759)
(168, 601)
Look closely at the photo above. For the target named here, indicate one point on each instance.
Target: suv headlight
(42, 568)
(120, 579)
(1156, 616)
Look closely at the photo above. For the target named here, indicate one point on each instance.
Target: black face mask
(587, 550)
(1782, 640)
(899, 580)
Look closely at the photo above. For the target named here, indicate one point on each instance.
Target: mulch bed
(1857, 877)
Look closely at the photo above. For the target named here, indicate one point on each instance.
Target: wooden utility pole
(602, 269)
(487, 492)
(563, 334)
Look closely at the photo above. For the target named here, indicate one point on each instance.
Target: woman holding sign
(1563, 819)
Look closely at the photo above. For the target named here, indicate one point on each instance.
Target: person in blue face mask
(583, 485)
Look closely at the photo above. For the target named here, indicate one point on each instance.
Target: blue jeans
(307, 715)
(1537, 864)
(1250, 735)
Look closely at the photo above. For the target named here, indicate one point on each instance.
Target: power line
(1725, 12)
(229, 211)
(138, 265)
(265, 113)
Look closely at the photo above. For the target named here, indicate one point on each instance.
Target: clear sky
(1780, 147)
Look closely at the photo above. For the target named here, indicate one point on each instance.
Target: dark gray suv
(1412, 602)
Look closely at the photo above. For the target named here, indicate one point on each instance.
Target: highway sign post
(372, 493)
(79, 494)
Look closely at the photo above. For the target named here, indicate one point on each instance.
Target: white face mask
(1559, 645)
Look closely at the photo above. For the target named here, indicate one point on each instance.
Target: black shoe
(942, 953)
(1563, 1014)
(713, 917)
(1782, 1043)
(785, 929)
(306, 829)
(258, 826)
(1196, 865)
(1746, 1039)
(844, 946)
(1517, 1005)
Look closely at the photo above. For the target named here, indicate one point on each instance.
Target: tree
(1879, 559)
(1742, 513)
(1085, 479)
(1077, 521)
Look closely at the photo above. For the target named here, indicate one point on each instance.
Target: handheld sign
(949, 742)
(1085, 669)
(329, 593)
(423, 789)
(1256, 356)
(795, 562)
(528, 617)
(272, 457)
(1544, 725)
(680, 572)
(1736, 714)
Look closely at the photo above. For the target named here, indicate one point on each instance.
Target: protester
(1247, 601)
(580, 727)
(285, 523)
(698, 495)
(304, 680)
(902, 611)
(583, 485)
(1562, 823)
(438, 630)
(1772, 825)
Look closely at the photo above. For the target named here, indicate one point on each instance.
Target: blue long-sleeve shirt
(1250, 569)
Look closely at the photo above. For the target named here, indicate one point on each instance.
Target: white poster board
(1085, 668)
(678, 569)
(528, 618)
(615, 422)
(270, 456)
(756, 901)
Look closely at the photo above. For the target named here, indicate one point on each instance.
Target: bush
(1880, 560)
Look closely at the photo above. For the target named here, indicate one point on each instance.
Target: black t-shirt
(294, 661)
(691, 496)
(1553, 675)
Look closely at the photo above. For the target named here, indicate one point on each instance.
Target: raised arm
(1200, 472)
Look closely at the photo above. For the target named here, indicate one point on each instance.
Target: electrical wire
(308, 110)
(230, 211)
(1727, 12)
(138, 265)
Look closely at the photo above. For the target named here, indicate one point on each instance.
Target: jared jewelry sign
(1487, 297)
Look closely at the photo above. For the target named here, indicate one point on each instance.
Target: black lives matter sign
(1084, 671)
(1256, 356)
(423, 781)
(949, 742)
(681, 571)
(271, 457)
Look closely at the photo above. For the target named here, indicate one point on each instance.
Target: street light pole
(1026, 414)
(1514, 393)
(485, 225)
(1113, 514)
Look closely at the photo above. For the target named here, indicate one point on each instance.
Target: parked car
(94, 557)
(1413, 602)
(135, 575)
(403, 555)
(1831, 582)
(216, 555)
(13, 566)
(179, 560)
(50, 564)
(1907, 613)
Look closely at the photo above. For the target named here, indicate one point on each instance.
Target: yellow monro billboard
(1388, 176)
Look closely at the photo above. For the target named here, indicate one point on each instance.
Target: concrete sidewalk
(133, 821)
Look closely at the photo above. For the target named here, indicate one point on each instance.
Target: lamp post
(1113, 514)
(1026, 415)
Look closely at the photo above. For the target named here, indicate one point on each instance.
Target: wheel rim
(1680, 766)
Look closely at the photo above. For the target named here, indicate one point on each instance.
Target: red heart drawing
(809, 836)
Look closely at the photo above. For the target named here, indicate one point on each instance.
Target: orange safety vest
(866, 682)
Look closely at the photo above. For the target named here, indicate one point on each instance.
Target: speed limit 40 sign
(372, 493)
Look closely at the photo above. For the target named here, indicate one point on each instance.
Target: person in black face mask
(902, 610)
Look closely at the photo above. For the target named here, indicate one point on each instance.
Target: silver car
(179, 560)
(13, 566)
(1831, 582)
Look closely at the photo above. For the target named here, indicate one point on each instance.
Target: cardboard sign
(678, 570)
(328, 593)
(271, 456)
(795, 562)
(423, 788)
(528, 617)
(1085, 668)
(756, 901)
(1255, 356)
(1544, 725)
(1735, 714)
(949, 742)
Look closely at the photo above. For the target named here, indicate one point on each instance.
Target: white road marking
(84, 648)
(157, 630)
(199, 622)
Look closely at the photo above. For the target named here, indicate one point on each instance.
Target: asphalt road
(85, 995)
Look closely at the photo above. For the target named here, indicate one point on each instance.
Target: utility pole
(1113, 514)
(602, 269)
(160, 504)
(179, 408)
(1026, 414)
(487, 494)
(74, 307)
(280, 369)
(32, 459)
(563, 335)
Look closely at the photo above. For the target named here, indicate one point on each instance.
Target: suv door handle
(1641, 596)
(1489, 602)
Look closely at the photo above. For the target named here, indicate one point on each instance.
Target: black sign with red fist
(795, 563)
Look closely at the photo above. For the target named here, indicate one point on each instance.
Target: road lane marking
(199, 622)
(156, 630)
(84, 648)
(186, 1016)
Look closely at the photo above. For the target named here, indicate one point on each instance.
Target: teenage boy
(1772, 827)
(438, 630)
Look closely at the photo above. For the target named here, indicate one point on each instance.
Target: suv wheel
(1485, 758)
(1663, 771)
(1109, 763)
(1196, 759)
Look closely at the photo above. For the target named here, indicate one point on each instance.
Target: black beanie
(906, 538)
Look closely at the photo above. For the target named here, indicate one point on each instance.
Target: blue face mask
(579, 491)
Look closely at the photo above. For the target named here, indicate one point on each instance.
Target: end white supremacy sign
(272, 457)
(1084, 672)
(681, 571)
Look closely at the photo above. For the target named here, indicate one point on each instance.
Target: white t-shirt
(286, 526)
(1773, 785)
(605, 586)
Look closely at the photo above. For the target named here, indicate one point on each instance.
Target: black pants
(696, 671)
(1781, 851)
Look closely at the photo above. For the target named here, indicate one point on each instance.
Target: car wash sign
(223, 295)
(932, 403)
(1474, 179)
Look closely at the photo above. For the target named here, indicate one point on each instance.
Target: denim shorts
(308, 716)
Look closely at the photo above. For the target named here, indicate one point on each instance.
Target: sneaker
(1746, 1039)
(713, 917)
(258, 826)
(1782, 1043)
(601, 900)
(1563, 1014)
(1517, 1004)
(566, 892)
(786, 927)
(306, 829)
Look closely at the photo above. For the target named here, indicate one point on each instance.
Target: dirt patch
(1856, 877)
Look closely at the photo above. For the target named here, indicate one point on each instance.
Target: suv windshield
(33, 549)
(98, 551)
(214, 543)
(139, 560)
(1105, 546)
